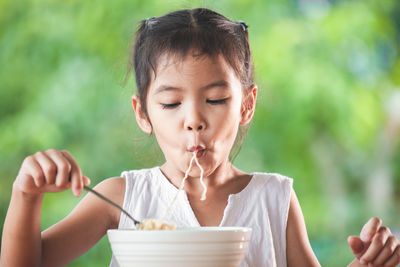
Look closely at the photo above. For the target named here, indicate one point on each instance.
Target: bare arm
(84, 227)
(23, 244)
(21, 239)
(299, 251)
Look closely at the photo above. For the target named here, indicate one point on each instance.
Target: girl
(194, 74)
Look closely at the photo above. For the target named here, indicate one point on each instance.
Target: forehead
(192, 70)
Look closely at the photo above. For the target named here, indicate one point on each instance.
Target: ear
(141, 118)
(248, 104)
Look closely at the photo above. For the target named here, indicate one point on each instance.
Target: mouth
(199, 150)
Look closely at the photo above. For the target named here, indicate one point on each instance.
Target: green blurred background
(328, 111)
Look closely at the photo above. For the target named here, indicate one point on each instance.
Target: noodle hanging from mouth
(163, 224)
(203, 195)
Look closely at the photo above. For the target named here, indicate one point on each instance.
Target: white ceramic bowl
(202, 246)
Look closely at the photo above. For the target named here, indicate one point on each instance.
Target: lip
(199, 150)
(195, 148)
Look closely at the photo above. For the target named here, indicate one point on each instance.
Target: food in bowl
(152, 224)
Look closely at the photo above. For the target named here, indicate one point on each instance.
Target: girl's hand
(50, 171)
(376, 246)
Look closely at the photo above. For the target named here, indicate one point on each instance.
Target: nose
(194, 121)
(195, 125)
(190, 128)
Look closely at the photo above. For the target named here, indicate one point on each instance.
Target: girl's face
(194, 104)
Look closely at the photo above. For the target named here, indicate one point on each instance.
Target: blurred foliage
(328, 109)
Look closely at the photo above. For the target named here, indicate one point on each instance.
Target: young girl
(194, 75)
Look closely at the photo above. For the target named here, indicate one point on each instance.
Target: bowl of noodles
(194, 247)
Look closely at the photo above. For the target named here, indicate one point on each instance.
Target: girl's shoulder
(271, 179)
(269, 186)
(141, 174)
(141, 181)
(142, 177)
(111, 186)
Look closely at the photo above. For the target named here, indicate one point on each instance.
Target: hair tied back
(243, 24)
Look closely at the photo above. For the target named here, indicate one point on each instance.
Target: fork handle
(111, 202)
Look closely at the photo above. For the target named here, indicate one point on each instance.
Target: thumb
(86, 180)
(356, 245)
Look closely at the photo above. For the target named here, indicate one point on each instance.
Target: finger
(48, 166)
(394, 260)
(370, 228)
(86, 180)
(386, 252)
(377, 244)
(33, 169)
(63, 167)
(76, 174)
(356, 245)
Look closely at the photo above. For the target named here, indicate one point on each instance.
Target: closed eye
(217, 101)
(170, 106)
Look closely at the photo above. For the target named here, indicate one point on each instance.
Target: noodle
(203, 196)
(152, 224)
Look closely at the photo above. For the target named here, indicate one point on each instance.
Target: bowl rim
(197, 229)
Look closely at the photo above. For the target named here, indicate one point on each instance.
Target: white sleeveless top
(262, 205)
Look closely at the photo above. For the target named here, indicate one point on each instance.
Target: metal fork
(111, 202)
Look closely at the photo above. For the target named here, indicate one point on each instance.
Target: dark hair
(180, 32)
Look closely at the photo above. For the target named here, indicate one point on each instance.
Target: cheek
(231, 118)
(224, 143)
(168, 143)
(229, 124)
(159, 119)
(227, 128)
(164, 129)
(230, 130)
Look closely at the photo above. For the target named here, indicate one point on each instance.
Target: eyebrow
(165, 88)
